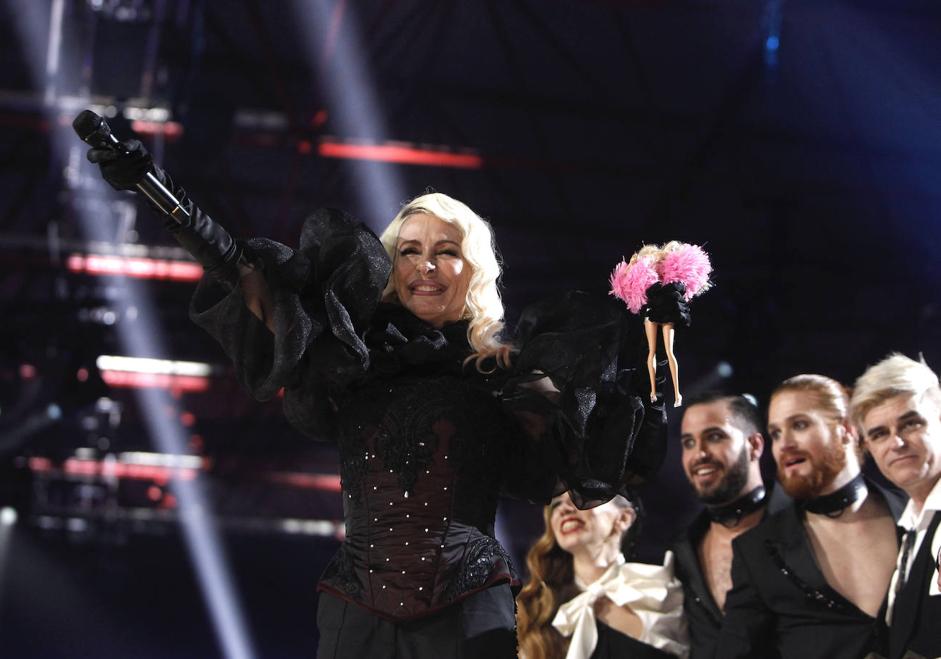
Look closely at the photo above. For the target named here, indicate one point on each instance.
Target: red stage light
(132, 380)
(319, 118)
(138, 267)
(169, 129)
(400, 153)
(161, 475)
(40, 464)
(156, 473)
(325, 482)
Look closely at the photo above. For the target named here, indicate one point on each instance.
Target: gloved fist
(125, 166)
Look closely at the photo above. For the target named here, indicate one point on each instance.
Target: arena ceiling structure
(798, 140)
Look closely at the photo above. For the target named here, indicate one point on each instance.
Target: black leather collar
(833, 504)
(730, 514)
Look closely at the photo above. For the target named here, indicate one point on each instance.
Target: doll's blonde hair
(646, 251)
(483, 305)
(671, 246)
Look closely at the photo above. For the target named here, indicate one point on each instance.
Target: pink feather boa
(689, 265)
(630, 282)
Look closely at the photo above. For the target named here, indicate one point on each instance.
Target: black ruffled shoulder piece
(324, 296)
(601, 434)
(347, 272)
(582, 343)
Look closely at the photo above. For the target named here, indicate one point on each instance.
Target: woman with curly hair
(584, 600)
(392, 348)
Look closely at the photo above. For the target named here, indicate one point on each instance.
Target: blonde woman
(583, 598)
(392, 348)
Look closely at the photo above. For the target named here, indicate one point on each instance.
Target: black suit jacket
(780, 602)
(916, 615)
(702, 613)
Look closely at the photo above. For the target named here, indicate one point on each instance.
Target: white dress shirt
(918, 522)
(651, 591)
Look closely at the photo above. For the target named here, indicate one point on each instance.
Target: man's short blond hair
(894, 376)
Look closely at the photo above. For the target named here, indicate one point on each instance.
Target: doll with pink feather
(658, 283)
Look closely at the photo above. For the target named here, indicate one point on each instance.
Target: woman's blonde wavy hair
(483, 306)
(551, 582)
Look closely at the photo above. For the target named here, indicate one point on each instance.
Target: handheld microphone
(95, 132)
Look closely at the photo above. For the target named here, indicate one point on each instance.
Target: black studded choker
(833, 504)
(730, 514)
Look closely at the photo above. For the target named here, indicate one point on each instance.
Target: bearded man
(810, 582)
(722, 444)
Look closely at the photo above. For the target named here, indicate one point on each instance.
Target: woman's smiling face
(576, 530)
(430, 275)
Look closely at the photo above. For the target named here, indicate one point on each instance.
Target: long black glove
(208, 242)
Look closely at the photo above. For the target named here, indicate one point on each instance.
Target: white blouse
(651, 591)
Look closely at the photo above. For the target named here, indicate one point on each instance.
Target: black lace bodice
(427, 443)
(422, 462)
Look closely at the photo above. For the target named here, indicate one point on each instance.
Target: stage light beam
(331, 38)
(43, 49)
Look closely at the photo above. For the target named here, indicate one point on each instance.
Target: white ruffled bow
(651, 591)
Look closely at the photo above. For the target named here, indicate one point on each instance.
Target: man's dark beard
(730, 487)
(825, 470)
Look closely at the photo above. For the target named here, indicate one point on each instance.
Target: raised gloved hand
(124, 166)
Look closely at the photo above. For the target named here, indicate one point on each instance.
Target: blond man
(897, 406)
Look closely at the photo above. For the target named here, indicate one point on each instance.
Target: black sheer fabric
(427, 443)
(666, 303)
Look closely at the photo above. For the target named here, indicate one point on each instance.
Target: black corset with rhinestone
(422, 463)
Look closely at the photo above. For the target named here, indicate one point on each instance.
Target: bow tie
(644, 587)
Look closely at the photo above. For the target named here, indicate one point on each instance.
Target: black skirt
(483, 625)
(666, 303)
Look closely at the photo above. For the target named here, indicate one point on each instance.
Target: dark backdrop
(800, 141)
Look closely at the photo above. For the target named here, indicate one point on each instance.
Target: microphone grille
(86, 123)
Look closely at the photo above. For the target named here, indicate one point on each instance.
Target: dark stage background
(799, 140)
